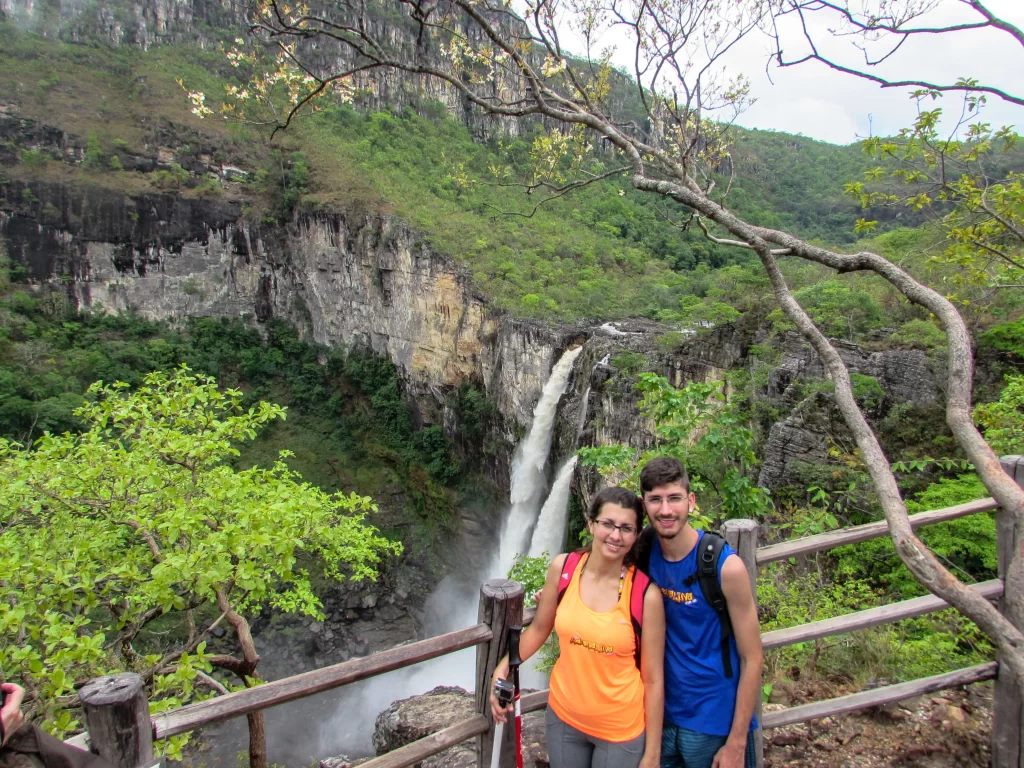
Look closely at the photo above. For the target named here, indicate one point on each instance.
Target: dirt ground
(948, 729)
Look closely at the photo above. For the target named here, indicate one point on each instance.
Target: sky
(812, 100)
(815, 101)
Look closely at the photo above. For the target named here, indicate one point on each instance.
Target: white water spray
(549, 535)
(453, 604)
(584, 403)
(528, 478)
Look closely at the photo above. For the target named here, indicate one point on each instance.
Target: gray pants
(571, 748)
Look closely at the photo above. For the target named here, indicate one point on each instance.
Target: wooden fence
(121, 730)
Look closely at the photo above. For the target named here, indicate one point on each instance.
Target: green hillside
(606, 251)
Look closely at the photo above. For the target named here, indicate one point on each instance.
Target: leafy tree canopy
(141, 516)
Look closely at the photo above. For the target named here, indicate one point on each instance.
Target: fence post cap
(501, 588)
(111, 689)
(740, 525)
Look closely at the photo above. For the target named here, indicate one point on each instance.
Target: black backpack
(711, 546)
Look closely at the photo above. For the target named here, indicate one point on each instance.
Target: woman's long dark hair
(626, 499)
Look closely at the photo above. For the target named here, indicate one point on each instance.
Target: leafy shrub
(920, 334)
(1007, 338)
(33, 158)
(210, 187)
(841, 309)
(668, 342)
(629, 362)
(967, 544)
(284, 181)
(1003, 420)
(174, 177)
(93, 159)
(867, 391)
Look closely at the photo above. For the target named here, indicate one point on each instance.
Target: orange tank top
(595, 685)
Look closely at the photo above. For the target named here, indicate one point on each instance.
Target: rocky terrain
(947, 730)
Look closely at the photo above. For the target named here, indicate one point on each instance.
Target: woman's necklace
(622, 575)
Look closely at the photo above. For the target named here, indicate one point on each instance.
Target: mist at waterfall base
(341, 722)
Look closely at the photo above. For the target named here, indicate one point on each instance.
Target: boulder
(409, 720)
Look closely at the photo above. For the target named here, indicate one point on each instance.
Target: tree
(117, 542)
(966, 173)
(965, 182)
(665, 141)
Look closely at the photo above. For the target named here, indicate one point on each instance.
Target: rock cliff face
(343, 279)
(365, 279)
(146, 23)
(905, 376)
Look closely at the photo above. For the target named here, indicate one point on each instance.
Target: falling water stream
(529, 480)
(549, 535)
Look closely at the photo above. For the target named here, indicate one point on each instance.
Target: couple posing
(648, 677)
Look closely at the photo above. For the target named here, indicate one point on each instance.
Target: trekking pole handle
(514, 659)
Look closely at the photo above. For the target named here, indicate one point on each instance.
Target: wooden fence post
(501, 607)
(742, 537)
(117, 718)
(1007, 708)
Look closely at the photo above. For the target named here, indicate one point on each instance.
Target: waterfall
(584, 402)
(549, 535)
(528, 479)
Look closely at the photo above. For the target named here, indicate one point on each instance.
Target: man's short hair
(663, 470)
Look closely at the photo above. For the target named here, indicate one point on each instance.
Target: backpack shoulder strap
(637, 592)
(711, 547)
(572, 561)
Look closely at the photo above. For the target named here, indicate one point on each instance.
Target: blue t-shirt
(698, 695)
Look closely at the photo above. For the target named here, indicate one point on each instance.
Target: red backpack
(638, 588)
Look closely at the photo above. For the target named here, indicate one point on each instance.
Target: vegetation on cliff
(606, 252)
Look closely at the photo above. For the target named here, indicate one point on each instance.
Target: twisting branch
(870, 26)
(670, 157)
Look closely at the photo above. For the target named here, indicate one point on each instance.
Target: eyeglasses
(609, 526)
(655, 501)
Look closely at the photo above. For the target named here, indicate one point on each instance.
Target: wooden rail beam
(436, 742)
(877, 696)
(872, 617)
(306, 684)
(826, 541)
(531, 702)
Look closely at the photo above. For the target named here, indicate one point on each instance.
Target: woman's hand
(11, 715)
(650, 759)
(497, 711)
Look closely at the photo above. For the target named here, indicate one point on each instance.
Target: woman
(603, 712)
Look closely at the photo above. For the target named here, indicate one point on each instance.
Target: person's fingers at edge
(14, 695)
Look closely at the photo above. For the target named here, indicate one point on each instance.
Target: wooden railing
(116, 705)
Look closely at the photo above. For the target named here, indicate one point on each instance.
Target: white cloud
(813, 100)
(842, 100)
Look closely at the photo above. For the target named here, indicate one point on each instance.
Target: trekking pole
(513, 665)
(507, 692)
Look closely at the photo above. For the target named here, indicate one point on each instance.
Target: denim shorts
(682, 748)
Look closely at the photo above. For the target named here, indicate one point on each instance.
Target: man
(709, 708)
